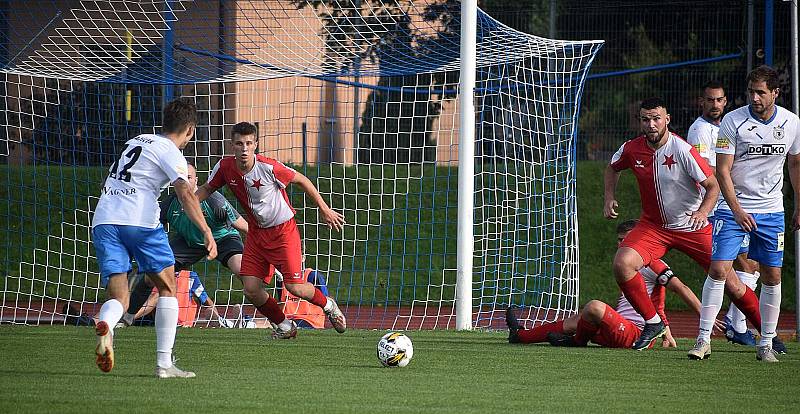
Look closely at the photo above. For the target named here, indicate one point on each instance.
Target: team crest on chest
(669, 161)
(778, 132)
(257, 184)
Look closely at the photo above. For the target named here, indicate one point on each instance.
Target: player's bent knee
(719, 270)
(594, 311)
(235, 264)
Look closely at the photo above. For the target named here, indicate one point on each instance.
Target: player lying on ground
(600, 323)
(670, 174)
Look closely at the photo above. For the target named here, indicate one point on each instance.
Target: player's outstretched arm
(191, 206)
(794, 177)
(610, 204)
(667, 340)
(332, 218)
(204, 191)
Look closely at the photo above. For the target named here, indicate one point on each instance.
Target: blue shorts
(745, 246)
(115, 245)
(766, 241)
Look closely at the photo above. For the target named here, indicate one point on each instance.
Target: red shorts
(616, 331)
(652, 243)
(272, 248)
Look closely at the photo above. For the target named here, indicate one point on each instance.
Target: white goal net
(358, 95)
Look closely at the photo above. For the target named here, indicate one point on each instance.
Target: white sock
(770, 307)
(713, 291)
(328, 305)
(735, 316)
(654, 319)
(111, 312)
(285, 325)
(166, 326)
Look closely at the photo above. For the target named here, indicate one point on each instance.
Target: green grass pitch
(51, 369)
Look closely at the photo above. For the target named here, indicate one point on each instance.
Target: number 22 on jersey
(132, 156)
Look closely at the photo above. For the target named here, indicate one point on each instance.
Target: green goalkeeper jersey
(218, 212)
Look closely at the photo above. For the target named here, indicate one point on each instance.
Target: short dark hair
(652, 103)
(712, 84)
(626, 226)
(178, 115)
(766, 74)
(243, 128)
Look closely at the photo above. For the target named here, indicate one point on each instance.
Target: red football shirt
(261, 191)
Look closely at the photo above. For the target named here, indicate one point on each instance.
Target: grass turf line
(51, 369)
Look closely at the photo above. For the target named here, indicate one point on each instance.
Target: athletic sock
(770, 311)
(584, 332)
(735, 316)
(272, 311)
(139, 294)
(539, 333)
(319, 299)
(713, 291)
(748, 305)
(166, 326)
(111, 312)
(636, 293)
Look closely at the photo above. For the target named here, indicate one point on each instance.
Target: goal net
(358, 95)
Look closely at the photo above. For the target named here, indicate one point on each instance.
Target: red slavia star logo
(257, 184)
(669, 162)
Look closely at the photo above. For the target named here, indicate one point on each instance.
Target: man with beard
(670, 174)
(753, 144)
(703, 136)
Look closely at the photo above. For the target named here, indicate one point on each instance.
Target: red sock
(748, 304)
(272, 311)
(319, 299)
(539, 333)
(636, 293)
(584, 332)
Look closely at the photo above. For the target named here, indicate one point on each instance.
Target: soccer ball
(395, 350)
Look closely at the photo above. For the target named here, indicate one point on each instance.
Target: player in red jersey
(610, 327)
(273, 240)
(670, 174)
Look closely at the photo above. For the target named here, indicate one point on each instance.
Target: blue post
(169, 40)
(768, 23)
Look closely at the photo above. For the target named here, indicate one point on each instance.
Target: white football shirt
(759, 150)
(703, 137)
(129, 196)
(668, 179)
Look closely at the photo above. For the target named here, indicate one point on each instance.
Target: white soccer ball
(395, 350)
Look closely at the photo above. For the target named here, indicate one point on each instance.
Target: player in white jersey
(754, 142)
(600, 323)
(125, 225)
(703, 136)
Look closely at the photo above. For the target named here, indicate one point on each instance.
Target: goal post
(457, 206)
(466, 170)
